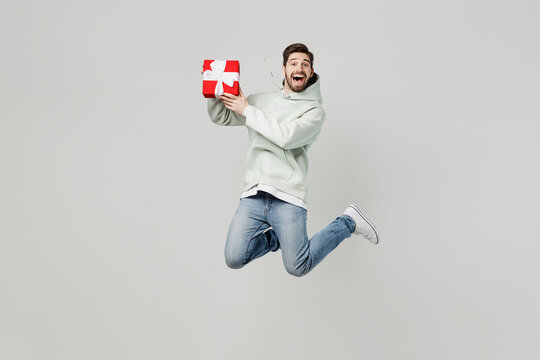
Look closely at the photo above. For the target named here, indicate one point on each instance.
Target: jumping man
(272, 211)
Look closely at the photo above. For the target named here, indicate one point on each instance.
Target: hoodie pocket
(286, 153)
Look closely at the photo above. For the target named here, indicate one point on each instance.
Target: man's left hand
(235, 103)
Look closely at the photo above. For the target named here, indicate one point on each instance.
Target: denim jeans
(249, 235)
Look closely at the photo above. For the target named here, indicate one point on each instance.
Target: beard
(294, 86)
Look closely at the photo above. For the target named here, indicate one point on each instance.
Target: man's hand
(235, 103)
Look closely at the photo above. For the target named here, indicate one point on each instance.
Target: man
(272, 210)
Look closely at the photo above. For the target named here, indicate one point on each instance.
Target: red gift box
(220, 76)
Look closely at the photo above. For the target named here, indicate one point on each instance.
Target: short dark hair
(296, 47)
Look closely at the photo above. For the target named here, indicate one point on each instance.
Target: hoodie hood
(311, 92)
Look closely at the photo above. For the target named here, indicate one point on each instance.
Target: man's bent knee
(234, 261)
(296, 271)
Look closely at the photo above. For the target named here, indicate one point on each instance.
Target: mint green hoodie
(281, 129)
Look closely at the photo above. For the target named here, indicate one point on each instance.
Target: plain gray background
(117, 190)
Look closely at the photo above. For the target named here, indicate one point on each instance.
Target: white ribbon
(218, 73)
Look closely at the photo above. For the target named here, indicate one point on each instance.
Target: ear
(312, 72)
(283, 70)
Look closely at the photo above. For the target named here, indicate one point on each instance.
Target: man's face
(297, 72)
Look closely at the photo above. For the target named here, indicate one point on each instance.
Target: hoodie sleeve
(290, 135)
(220, 115)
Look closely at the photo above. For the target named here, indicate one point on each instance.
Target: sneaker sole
(369, 222)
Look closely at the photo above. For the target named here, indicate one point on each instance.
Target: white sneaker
(364, 227)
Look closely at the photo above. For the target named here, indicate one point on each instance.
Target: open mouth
(298, 79)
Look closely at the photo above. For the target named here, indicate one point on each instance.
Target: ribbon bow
(218, 73)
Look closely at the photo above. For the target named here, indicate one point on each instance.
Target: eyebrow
(297, 59)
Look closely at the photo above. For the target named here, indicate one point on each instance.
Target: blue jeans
(249, 235)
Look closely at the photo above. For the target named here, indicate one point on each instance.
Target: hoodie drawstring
(271, 75)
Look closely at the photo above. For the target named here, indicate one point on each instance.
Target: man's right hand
(235, 103)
